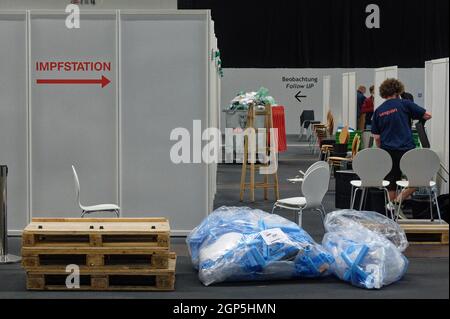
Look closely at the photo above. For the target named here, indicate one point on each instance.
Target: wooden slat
(95, 257)
(92, 232)
(162, 280)
(76, 227)
(422, 222)
(27, 251)
(102, 220)
(117, 240)
(425, 232)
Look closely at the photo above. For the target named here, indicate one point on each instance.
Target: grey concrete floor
(426, 277)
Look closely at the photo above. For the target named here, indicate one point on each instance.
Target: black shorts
(395, 174)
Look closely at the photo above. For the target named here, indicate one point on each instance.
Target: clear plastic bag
(240, 243)
(362, 245)
(348, 218)
(244, 99)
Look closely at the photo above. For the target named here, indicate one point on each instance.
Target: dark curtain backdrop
(327, 33)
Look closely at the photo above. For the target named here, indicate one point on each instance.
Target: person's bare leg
(392, 195)
(405, 194)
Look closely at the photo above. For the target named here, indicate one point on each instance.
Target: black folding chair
(305, 120)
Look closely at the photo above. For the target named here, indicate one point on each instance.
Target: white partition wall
(214, 106)
(164, 85)
(13, 114)
(349, 99)
(345, 99)
(117, 134)
(72, 124)
(352, 99)
(326, 97)
(428, 96)
(436, 94)
(382, 74)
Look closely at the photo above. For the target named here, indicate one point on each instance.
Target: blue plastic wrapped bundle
(348, 218)
(367, 248)
(240, 243)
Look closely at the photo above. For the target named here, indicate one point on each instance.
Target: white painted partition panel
(326, 97)
(214, 119)
(349, 99)
(382, 74)
(352, 120)
(428, 97)
(439, 137)
(445, 187)
(164, 85)
(218, 112)
(345, 99)
(13, 114)
(72, 124)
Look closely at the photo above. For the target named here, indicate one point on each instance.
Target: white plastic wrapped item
(363, 257)
(348, 218)
(240, 243)
(244, 99)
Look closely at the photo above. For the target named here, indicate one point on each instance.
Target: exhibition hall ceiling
(328, 33)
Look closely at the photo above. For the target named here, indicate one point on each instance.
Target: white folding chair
(420, 166)
(371, 165)
(94, 208)
(314, 187)
(299, 179)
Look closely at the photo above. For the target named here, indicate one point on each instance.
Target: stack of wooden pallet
(110, 254)
(421, 231)
(426, 238)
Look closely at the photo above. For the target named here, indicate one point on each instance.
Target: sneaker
(394, 207)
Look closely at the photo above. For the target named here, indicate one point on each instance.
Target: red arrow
(104, 81)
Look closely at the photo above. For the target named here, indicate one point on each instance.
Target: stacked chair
(321, 132)
(336, 161)
(328, 150)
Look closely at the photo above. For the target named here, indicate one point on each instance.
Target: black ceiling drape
(327, 33)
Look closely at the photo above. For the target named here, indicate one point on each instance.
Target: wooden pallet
(125, 279)
(425, 232)
(88, 258)
(110, 253)
(97, 232)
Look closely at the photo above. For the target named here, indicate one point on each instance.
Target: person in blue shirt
(360, 98)
(391, 128)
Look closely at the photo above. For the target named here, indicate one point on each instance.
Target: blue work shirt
(392, 121)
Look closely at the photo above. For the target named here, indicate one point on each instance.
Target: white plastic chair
(371, 165)
(420, 166)
(298, 179)
(94, 208)
(314, 187)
